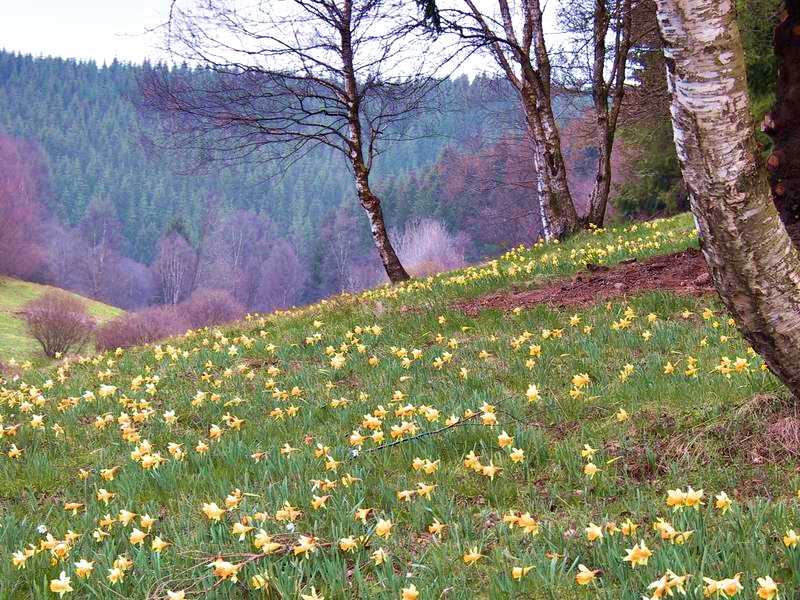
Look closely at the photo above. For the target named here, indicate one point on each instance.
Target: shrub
(426, 247)
(59, 322)
(209, 307)
(140, 327)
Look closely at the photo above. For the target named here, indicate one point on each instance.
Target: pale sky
(102, 30)
(98, 30)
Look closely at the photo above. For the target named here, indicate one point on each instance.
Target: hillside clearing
(352, 449)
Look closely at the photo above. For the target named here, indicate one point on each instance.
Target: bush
(209, 307)
(426, 247)
(140, 327)
(59, 322)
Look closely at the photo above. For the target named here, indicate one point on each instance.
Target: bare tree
(175, 267)
(59, 322)
(283, 278)
(287, 76)
(233, 248)
(514, 36)
(601, 35)
(21, 190)
(101, 240)
(753, 262)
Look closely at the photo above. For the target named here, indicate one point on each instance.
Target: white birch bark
(755, 267)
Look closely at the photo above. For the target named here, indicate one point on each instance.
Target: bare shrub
(59, 322)
(140, 327)
(426, 247)
(209, 307)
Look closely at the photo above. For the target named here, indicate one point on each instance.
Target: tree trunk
(564, 217)
(607, 95)
(783, 122)
(755, 267)
(598, 199)
(361, 156)
(372, 205)
(558, 214)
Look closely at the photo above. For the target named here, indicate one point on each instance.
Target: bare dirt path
(683, 273)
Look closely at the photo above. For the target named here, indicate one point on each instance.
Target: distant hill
(14, 339)
(89, 145)
(95, 143)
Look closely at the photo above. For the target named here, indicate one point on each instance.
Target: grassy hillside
(14, 339)
(386, 445)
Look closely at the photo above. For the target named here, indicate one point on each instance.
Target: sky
(98, 30)
(102, 30)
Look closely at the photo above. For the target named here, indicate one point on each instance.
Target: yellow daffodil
(518, 573)
(313, 595)
(410, 593)
(379, 556)
(84, 568)
(723, 502)
(137, 536)
(585, 575)
(590, 469)
(306, 544)
(212, 511)
(472, 555)
(638, 555)
(791, 539)
(115, 575)
(533, 394)
(383, 528)
(593, 532)
(61, 585)
(348, 544)
(504, 440)
(767, 588)
(437, 527)
(226, 570)
(693, 498)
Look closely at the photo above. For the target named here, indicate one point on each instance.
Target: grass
(15, 341)
(308, 453)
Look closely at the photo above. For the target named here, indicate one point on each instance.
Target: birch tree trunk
(360, 157)
(753, 262)
(516, 41)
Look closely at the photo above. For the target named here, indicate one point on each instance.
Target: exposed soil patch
(684, 273)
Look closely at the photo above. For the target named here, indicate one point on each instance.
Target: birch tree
(175, 267)
(514, 36)
(288, 76)
(601, 35)
(753, 262)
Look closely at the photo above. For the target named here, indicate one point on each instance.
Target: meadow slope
(388, 445)
(15, 341)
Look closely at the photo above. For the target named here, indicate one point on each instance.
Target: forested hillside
(83, 139)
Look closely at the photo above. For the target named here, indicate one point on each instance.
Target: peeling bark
(754, 265)
(558, 214)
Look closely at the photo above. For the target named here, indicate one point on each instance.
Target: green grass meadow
(15, 342)
(385, 445)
